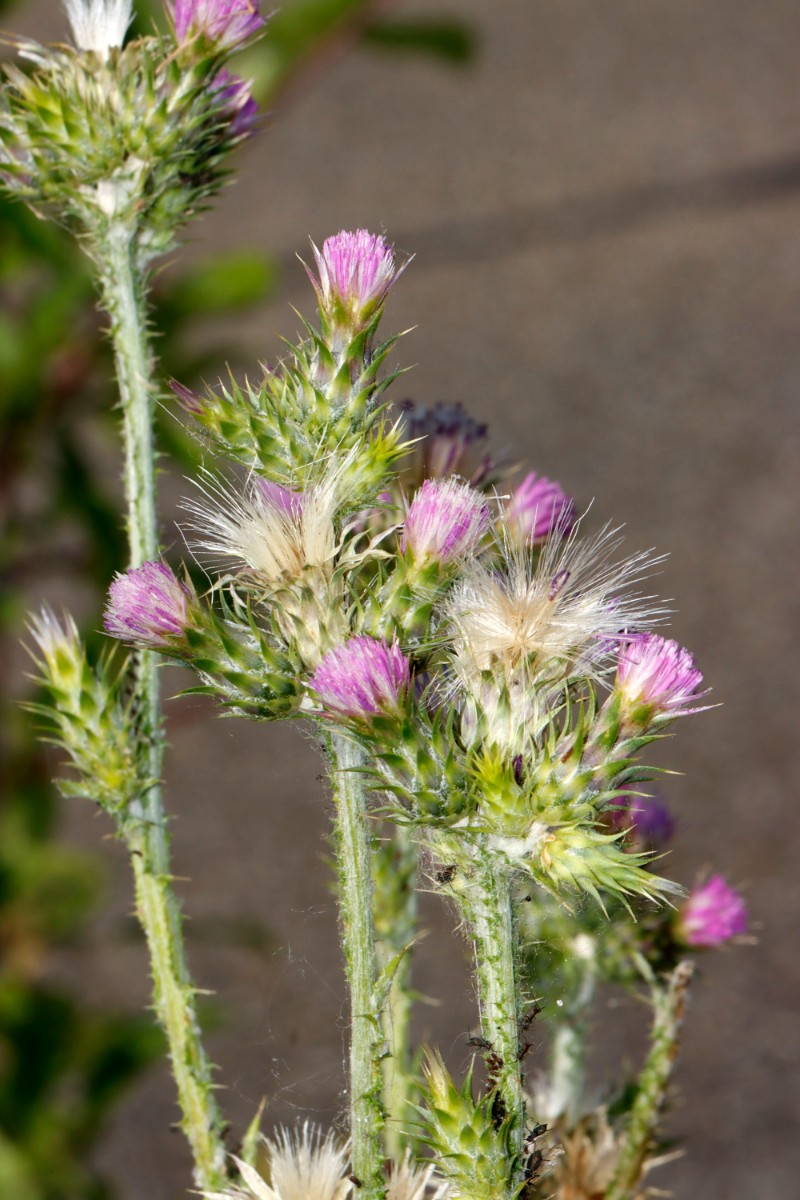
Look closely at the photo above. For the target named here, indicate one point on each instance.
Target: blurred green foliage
(63, 1064)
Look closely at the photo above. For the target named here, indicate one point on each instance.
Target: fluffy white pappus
(564, 614)
(271, 533)
(304, 1164)
(99, 25)
(412, 1181)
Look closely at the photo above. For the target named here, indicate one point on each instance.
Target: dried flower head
(713, 913)
(657, 675)
(99, 25)
(272, 533)
(355, 272)
(537, 508)
(303, 1165)
(446, 520)
(228, 23)
(362, 677)
(550, 620)
(147, 606)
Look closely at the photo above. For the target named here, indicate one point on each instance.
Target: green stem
(486, 902)
(395, 908)
(669, 1005)
(358, 938)
(568, 1050)
(144, 826)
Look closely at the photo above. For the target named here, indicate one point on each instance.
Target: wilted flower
(658, 675)
(446, 520)
(537, 508)
(446, 441)
(147, 606)
(226, 22)
(356, 270)
(99, 25)
(714, 913)
(303, 1165)
(362, 677)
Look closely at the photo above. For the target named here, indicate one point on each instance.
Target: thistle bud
(237, 102)
(714, 913)
(362, 677)
(228, 23)
(656, 677)
(646, 821)
(356, 271)
(148, 606)
(537, 508)
(446, 520)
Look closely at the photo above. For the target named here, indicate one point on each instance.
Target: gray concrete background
(604, 210)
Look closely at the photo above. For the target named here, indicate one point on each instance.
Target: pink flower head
(237, 102)
(446, 520)
(362, 677)
(538, 507)
(279, 499)
(147, 606)
(446, 441)
(646, 821)
(356, 271)
(714, 913)
(228, 23)
(658, 674)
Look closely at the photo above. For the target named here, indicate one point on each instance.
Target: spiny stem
(144, 826)
(486, 902)
(395, 908)
(669, 1005)
(367, 1113)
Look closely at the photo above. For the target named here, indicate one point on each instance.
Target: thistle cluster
(109, 136)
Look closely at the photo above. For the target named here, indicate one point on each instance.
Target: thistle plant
(483, 673)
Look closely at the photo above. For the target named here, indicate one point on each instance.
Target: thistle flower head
(446, 441)
(657, 675)
(713, 913)
(541, 623)
(362, 677)
(355, 272)
(537, 508)
(228, 23)
(147, 606)
(58, 641)
(446, 520)
(271, 532)
(99, 25)
(303, 1165)
(237, 102)
(646, 821)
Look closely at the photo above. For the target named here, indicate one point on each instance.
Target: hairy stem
(367, 1113)
(144, 825)
(669, 1005)
(395, 909)
(568, 1049)
(486, 902)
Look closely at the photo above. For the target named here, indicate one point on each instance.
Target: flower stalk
(143, 824)
(367, 1114)
(669, 999)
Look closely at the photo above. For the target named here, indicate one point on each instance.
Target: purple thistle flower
(356, 270)
(659, 674)
(446, 519)
(362, 677)
(714, 913)
(279, 499)
(538, 507)
(147, 606)
(646, 820)
(189, 401)
(236, 102)
(446, 441)
(228, 23)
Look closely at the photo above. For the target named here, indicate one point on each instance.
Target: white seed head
(561, 617)
(410, 1181)
(273, 541)
(99, 25)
